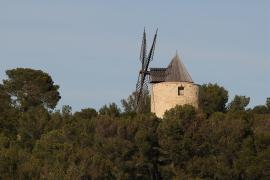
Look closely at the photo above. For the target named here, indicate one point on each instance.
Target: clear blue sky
(91, 48)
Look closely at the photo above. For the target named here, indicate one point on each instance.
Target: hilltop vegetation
(219, 141)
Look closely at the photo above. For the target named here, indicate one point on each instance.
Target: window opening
(180, 90)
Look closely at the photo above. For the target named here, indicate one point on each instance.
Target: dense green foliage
(239, 103)
(214, 142)
(129, 104)
(30, 88)
(213, 98)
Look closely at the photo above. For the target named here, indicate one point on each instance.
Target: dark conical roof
(177, 72)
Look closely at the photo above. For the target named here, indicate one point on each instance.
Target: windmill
(141, 86)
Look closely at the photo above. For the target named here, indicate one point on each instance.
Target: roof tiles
(175, 72)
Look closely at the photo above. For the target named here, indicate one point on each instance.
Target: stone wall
(164, 96)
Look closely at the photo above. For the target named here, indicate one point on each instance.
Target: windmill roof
(175, 72)
(157, 74)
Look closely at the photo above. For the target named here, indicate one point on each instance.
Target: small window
(180, 90)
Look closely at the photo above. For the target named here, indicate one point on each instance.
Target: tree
(185, 112)
(238, 103)
(5, 100)
(66, 112)
(37, 143)
(213, 98)
(129, 104)
(52, 152)
(87, 113)
(29, 88)
(175, 141)
(268, 103)
(8, 114)
(32, 125)
(111, 110)
(261, 109)
(146, 140)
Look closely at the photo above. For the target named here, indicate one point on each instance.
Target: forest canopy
(220, 140)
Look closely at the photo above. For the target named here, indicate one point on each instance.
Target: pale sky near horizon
(91, 48)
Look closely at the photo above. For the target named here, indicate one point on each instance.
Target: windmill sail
(141, 86)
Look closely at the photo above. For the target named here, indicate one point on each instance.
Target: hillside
(220, 140)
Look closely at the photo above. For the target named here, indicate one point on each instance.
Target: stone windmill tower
(171, 86)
